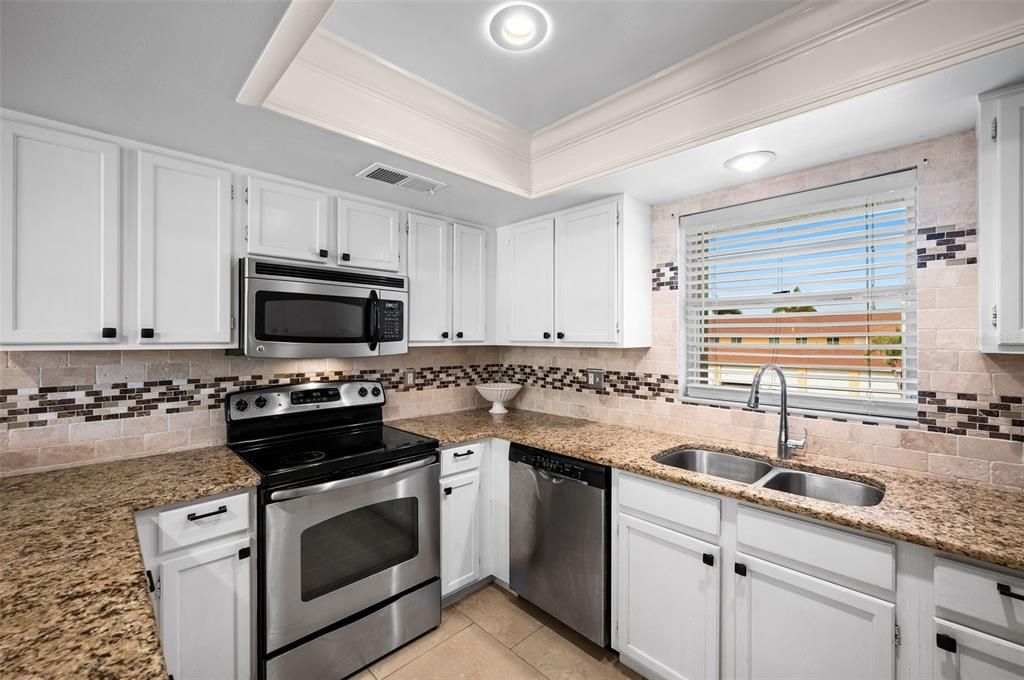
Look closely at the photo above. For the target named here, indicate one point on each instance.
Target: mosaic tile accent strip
(37, 407)
(665, 276)
(952, 245)
(647, 386)
(995, 417)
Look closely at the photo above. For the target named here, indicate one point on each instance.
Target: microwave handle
(374, 312)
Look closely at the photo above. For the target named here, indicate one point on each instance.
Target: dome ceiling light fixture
(519, 26)
(751, 161)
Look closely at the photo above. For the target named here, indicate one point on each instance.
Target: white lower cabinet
(791, 626)
(205, 620)
(668, 600)
(460, 531)
(963, 653)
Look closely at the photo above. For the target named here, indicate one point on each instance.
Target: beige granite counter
(978, 522)
(73, 596)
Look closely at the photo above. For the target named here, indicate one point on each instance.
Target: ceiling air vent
(401, 178)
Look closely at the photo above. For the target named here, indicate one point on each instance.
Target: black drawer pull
(1005, 591)
(192, 517)
(109, 332)
(740, 569)
(447, 491)
(469, 452)
(709, 559)
(945, 642)
(147, 333)
(149, 577)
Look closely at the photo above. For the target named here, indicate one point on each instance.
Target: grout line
(425, 651)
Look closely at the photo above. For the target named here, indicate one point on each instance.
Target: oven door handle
(288, 494)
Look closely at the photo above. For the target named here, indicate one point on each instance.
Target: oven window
(344, 549)
(292, 317)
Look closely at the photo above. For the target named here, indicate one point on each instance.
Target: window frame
(795, 203)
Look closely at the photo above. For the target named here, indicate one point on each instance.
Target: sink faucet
(786, 445)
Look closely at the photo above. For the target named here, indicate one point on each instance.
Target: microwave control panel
(392, 320)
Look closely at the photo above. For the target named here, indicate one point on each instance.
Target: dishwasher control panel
(563, 466)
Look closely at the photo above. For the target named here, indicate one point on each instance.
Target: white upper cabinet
(469, 290)
(429, 279)
(586, 275)
(60, 238)
(287, 220)
(526, 256)
(581, 277)
(1000, 133)
(368, 236)
(184, 248)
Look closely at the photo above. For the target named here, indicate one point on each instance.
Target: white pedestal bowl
(498, 394)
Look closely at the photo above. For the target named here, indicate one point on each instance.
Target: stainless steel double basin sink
(760, 474)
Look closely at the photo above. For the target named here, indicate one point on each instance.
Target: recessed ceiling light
(519, 26)
(748, 162)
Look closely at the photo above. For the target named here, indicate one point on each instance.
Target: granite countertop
(73, 595)
(974, 521)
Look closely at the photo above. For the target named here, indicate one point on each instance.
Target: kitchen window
(820, 282)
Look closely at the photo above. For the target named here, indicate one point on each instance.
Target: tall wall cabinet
(1000, 133)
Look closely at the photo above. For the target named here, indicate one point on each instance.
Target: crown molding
(815, 54)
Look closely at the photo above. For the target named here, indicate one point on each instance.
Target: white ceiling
(594, 49)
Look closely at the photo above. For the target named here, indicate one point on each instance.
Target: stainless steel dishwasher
(559, 537)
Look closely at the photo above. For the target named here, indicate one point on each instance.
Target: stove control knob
(362, 392)
(241, 405)
(375, 391)
(260, 402)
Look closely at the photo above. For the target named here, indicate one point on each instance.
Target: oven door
(293, 319)
(336, 548)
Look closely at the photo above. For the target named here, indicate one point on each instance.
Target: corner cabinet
(1000, 133)
(580, 277)
(448, 282)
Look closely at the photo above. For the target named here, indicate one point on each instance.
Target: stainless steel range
(349, 534)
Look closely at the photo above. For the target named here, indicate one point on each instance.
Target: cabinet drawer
(669, 503)
(198, 522)
(973, 596)
(837, 556)
(462, 458)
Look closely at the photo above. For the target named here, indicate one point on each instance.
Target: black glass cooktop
(332, 453)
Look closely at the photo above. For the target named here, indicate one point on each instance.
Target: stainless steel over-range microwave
(292, 310)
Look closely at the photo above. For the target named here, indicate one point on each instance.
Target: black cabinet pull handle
(445, 335)
(469, 452)
(346, 257)
(946, 643)
(740, 569)
(560, 335)
(459, 334)
(149, 577)
(447, 491)
(323, 252)
(244, 553)
(1005, 591)
(192, 517)
(147, 333)
(709, 559)
(546, 335)
(109, 332)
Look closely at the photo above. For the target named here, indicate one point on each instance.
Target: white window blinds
(820, 283)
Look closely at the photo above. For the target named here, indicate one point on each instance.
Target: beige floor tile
(470, 654)
(568, 656)
(451, 623)
(362, 675)
(496, 612)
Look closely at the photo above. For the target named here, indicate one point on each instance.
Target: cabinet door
(1010, 150)
(668, 599)
(469, 294)
(205, 625)
(529, 259)
(286, 220)
(790, 626)
(967, 654)
(460, 547)
(59, 241)
(184, 241)
(368, 236)
(586, 275)
(429, 279)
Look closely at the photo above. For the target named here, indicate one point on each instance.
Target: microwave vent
(401, 178)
